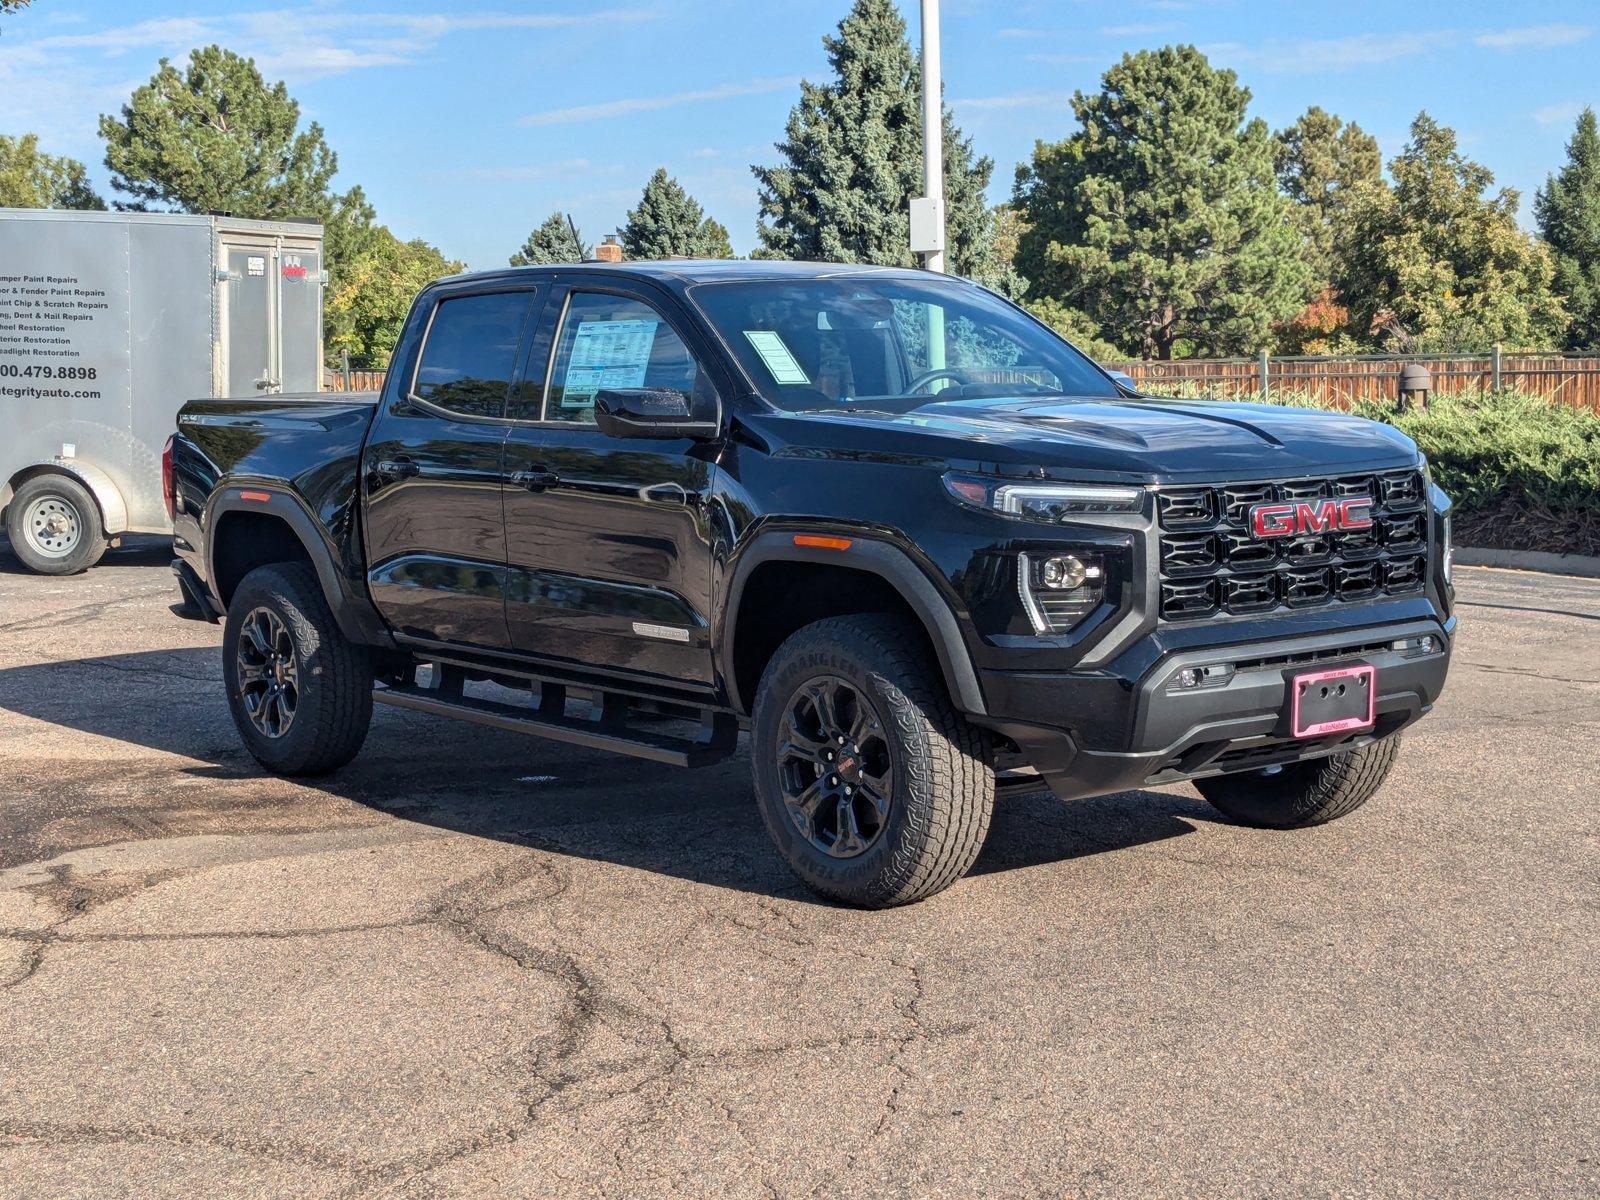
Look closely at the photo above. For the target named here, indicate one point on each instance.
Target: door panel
(300, 309)
(611, 562)
(433, 470)
(607, 538)
(251, 305)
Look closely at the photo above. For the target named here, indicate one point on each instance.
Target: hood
(1098, 438)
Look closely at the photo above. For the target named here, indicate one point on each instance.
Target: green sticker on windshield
(776, 356)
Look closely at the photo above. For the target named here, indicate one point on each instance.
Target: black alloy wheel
(835, 772)
(269, 677)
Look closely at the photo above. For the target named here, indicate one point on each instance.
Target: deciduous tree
(1568, 209)
(29, 179)
(851, 158)
(1437, 263)
(1160, 218)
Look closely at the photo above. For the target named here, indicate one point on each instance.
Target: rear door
(608, 539)
(431, 470)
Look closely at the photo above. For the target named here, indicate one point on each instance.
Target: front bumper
(1127, 726)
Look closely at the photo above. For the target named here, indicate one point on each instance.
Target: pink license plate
(1324, 702)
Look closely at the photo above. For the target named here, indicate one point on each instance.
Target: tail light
(169, 496)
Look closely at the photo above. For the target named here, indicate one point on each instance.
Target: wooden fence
(1562, 378)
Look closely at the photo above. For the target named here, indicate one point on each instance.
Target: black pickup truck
(919, 547)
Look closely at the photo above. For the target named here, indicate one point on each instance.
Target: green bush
(1488, 448)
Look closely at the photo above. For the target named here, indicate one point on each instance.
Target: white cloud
(1136, 30)
(1332, 54)
(1015, 100)
(1535, 37)
(623, 108)
(1564, 113)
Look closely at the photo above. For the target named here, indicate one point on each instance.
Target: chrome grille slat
(1211, 564)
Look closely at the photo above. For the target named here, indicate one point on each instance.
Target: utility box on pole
(109, 322)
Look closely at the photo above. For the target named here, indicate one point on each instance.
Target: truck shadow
(700, 826)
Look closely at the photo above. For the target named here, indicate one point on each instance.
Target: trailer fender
(113, 509)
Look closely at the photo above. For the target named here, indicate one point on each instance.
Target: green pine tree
(1320, 161)
(668, 221)
(555, 241)
(852, 158)
(1435, 264)
(1568, 209)
(1161, 218)
(217, 138)
(29, 179)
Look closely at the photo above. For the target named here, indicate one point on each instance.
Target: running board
(607, 728)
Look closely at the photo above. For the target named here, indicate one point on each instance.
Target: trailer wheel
(54, 526)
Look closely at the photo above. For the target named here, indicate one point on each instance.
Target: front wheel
(1306, 793)
(300, 692)
(874, 788)
(54, 526)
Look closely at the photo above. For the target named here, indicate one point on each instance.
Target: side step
(605, 728)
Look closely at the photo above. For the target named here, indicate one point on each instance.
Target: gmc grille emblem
(1311, 516)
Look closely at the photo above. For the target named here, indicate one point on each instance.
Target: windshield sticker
(607, 354)
(776, 356)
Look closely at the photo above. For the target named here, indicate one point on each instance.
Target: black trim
(357, 618)
(878, 558)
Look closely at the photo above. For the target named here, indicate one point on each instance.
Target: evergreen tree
(852, 158)
(217, 138)
(1320, 160)
(555, 241)
(1434, 264)
(29, 179)
(668, 221)
(1161, 218)
(1568, 209)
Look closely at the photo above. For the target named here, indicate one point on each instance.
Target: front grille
(1211, 564)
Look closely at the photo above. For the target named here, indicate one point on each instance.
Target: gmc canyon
(915, 544)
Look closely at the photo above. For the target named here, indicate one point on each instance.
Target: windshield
(889, 344)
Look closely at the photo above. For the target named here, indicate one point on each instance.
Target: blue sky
(468, 124)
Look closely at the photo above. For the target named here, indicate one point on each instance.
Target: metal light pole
(932, 134)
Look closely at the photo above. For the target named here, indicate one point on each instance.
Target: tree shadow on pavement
(701, 826)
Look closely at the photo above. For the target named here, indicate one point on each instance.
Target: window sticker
(607, 354)
(776, 356)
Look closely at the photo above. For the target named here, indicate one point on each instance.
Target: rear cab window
(469, 352)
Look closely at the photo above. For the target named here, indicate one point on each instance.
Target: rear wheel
(54, 526)
(874, 788)
(299, 691)
(1302, 794)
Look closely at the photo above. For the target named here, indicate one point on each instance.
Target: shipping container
(109, 322)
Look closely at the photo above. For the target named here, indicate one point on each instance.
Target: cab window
(613, 342)
(470, 351)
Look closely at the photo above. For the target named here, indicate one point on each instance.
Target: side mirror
(1124, 379)
(649, 413)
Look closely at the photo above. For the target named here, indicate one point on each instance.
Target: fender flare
(876, 557)
(113, 509)
(356, 617)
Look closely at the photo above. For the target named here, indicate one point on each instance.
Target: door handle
(393, 470)
(534, 481)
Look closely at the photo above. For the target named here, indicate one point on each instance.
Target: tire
(54, 526)
(324, 687)
(922, 775)
(1303, 794)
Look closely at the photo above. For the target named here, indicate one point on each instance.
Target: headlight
(1059, 590)
(1050, 502)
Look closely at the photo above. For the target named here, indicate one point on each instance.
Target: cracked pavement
(476, 964)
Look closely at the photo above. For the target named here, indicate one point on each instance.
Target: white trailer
(108, 323)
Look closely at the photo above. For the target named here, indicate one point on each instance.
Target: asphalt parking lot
(478, 964)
